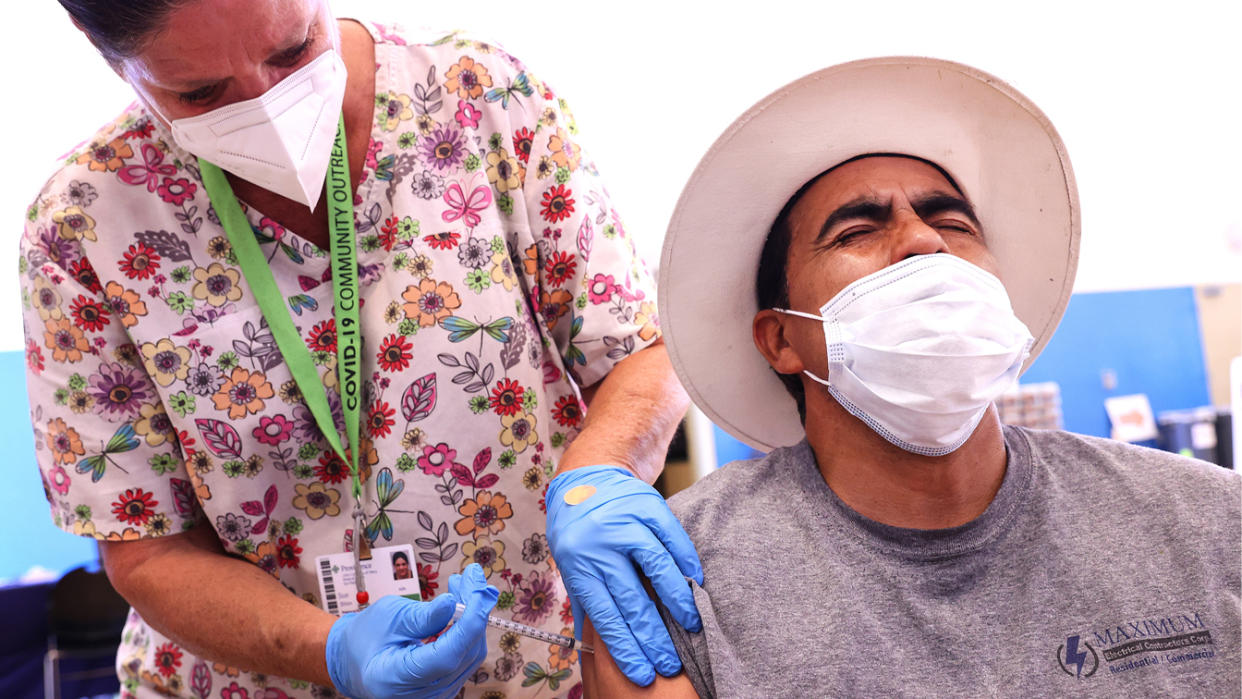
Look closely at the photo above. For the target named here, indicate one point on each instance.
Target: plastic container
(1191, 433)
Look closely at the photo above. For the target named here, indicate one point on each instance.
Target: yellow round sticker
(579, 494)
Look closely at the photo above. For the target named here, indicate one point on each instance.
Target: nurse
(327, 296)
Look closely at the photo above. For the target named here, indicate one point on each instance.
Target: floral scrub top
(495, 275)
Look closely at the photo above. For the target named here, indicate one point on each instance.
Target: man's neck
(890, 485)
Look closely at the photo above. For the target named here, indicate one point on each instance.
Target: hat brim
(998, 146)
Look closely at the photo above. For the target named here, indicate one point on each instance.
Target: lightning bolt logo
(1073, 656)
(1076, 657)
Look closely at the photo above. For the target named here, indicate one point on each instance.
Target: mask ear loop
(809, 316)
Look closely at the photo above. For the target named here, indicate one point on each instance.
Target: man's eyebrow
(938, 203)
(862, 207)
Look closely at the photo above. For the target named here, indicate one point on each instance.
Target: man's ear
(768, 330)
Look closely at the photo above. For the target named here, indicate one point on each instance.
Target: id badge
(389, 571)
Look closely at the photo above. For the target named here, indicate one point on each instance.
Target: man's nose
(912, 236)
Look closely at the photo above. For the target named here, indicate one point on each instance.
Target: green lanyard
(297, 356)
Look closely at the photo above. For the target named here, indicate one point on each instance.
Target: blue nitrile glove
(598, 544)
(377, 652)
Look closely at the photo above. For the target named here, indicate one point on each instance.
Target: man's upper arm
(602, 678)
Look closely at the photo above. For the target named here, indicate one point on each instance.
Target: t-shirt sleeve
(589, 287)
(108, 454)
(692, 647)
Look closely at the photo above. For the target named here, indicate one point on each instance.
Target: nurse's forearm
(218, 607)
(632, 416)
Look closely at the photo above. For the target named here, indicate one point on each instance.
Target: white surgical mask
(918, 350)
(280, 140)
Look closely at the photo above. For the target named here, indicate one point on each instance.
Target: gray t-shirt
(1099, 568)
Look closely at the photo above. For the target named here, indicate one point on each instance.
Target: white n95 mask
(280, 140)
(918, 350)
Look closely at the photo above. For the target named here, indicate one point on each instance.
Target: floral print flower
(74, 224)
(467, 116)
(507, 666)
(216, 284)
(46, 299)
(317, 499)
(568, 411)
(273, 430)
(519, 431)
(601, 288)
(558, 204)
(58, 479)
(503, 171)
(649, 326)
(82, 271)
(467, 78)
(565, 153)
(118, 390)
(427, 584)
(56, 249)
(430, 301)
(444, 149)
(166, 361)
(379, 419)
(535, 549)
(125, 303)
(483, 514)
(502, 271)
(425, 124)
(474, 253)
(427, 185)
(243, 393)
(89, 314)
(536, 599)
(395, 353)
(34, 357)
(106, 157)
(81, 193)
(139, 262)
(288, 553)
(135, 506)
(204, 379)
(506, 397)
(331, 468)
(554, 305)
(488, 554)
(176, 191)
(153, 424)
(560, 267)
(436, 460)
(64, 442)
(66, 341)
(233, 527)
(395, 110)
(446, 240)
(523, 139)
(168, 659)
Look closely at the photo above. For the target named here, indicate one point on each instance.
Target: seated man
(898, 539)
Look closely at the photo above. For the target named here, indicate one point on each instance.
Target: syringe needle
(530, 631)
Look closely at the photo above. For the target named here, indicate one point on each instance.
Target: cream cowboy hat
(999, 147)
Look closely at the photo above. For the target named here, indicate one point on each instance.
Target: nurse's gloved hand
(377, 652)
(619, 524)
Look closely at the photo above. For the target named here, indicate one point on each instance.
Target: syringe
(530, 631)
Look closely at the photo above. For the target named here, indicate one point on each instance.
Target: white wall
(1148, 102)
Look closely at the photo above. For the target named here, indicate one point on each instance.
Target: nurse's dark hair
(120, 29)
(771, 284)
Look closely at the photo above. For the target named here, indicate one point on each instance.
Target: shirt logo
(1073, 659)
